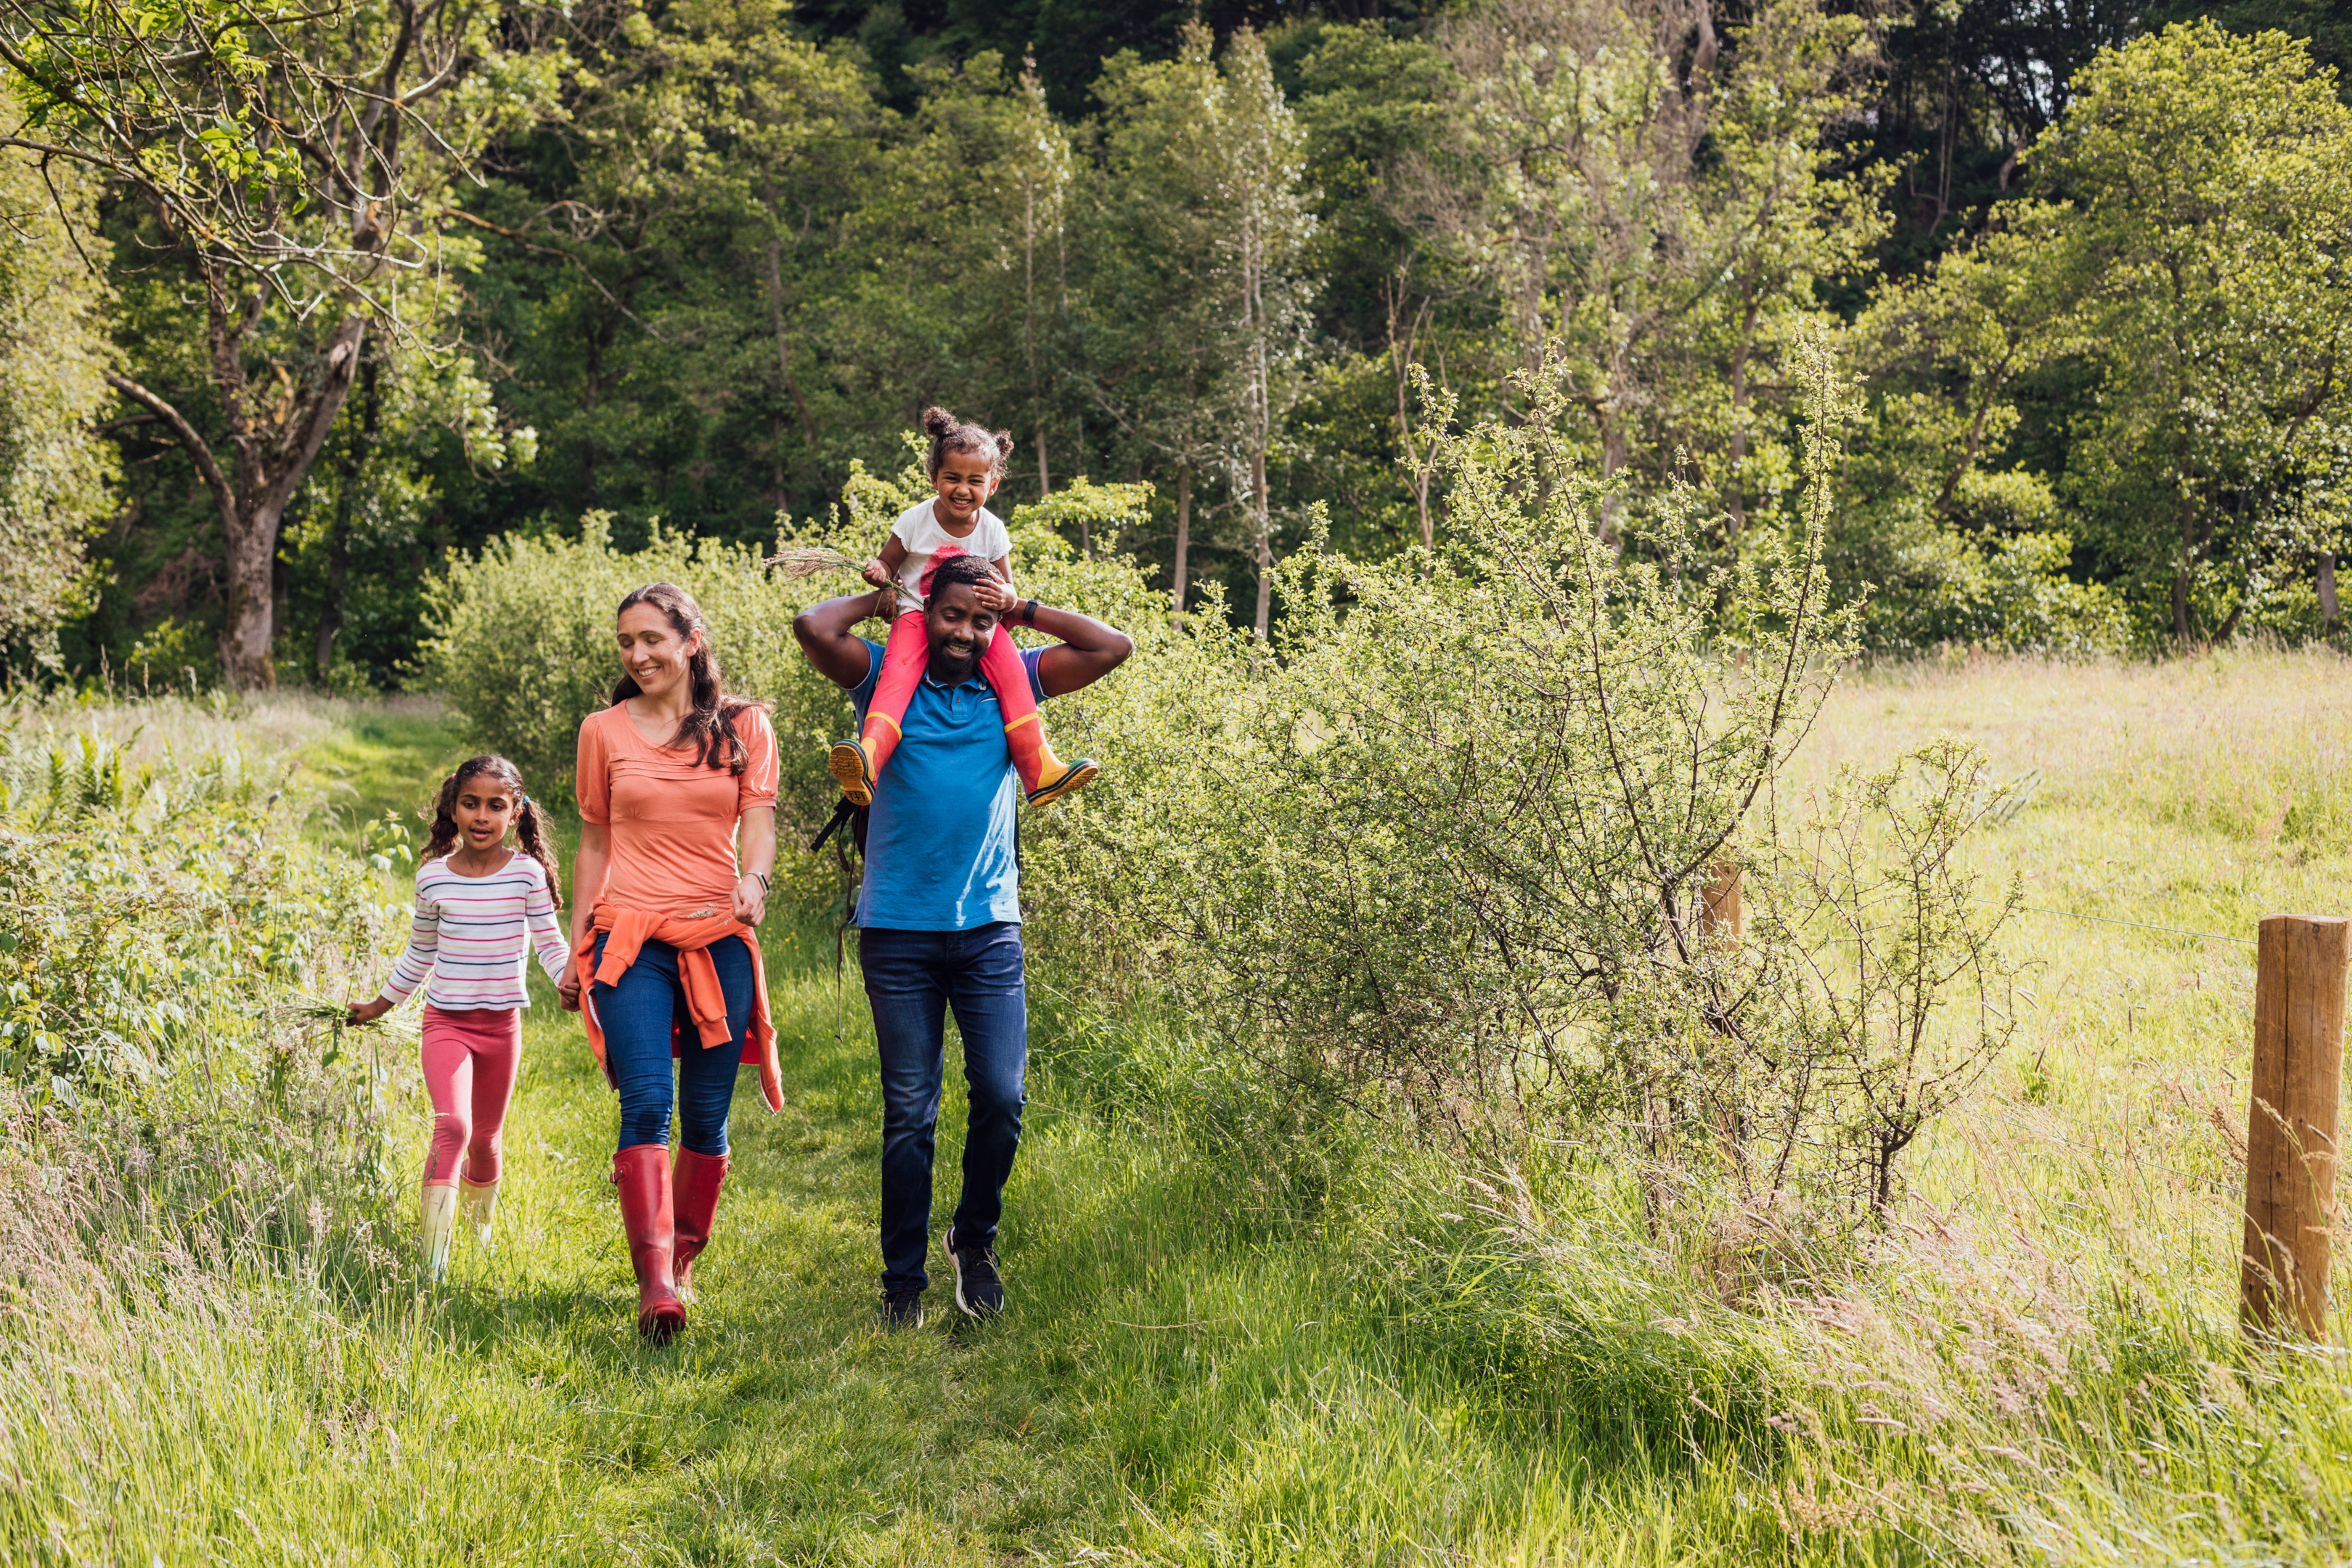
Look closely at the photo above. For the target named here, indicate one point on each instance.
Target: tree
(290, 159)
(1202, 321)
(1660, 204)
(2207, 185)
(55, 470)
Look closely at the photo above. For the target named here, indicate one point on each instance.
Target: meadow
(1352, 1353)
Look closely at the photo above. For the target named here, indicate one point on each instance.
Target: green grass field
(1200, 1365)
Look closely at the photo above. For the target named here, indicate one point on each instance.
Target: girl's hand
(567, 990)
(874, 572)
(368, 1011)
(997, 595)
(751, 900)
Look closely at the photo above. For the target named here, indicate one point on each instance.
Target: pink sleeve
(589, 782)
(756, 785)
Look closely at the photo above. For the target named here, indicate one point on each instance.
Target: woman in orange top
(678, 805)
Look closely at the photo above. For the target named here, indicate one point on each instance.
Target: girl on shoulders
(967, 463)
(482, 908)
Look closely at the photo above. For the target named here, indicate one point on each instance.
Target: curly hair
(530, 823)
(949, 434)
(709, 724)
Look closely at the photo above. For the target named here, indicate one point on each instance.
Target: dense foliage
(685, 266)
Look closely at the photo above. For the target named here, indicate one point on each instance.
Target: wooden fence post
(2290, 1122)
(1722, 918)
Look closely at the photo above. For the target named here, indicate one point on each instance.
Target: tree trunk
(1264, 544)
(270, 464)
(1184, 535)
(2329, 610)
(784, 340)
(338, 543)
(1045, 479)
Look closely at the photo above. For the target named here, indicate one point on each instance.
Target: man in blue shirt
(939, 916)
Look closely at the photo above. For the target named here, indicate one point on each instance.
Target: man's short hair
(968, 570)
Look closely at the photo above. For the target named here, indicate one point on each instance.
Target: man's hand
(1089, 650)
(368, 1011)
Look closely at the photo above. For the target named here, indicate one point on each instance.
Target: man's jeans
(912, 977)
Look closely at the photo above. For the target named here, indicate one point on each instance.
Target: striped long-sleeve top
(472, 934)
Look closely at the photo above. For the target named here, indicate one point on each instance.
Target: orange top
(706, 1003)
(673, 841)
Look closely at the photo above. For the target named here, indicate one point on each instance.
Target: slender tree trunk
(339, 542)
(1738, 507)
(1264, 542)
(2329, 610)
(1045, 479)
(1184, 534)
(784, 345)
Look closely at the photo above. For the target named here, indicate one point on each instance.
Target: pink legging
(904, 659)
(470, 1058)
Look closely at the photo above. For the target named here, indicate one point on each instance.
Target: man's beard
(951, 666)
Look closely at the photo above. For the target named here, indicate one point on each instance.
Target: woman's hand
(874, 572)
(567, 990)
(750, 899)
(368, 1011)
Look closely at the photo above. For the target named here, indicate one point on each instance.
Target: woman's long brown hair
(710, 723)
(530, 826)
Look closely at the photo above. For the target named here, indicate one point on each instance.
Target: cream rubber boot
(436, 1208)
(479, 1202)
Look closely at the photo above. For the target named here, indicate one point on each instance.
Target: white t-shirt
(920, 532)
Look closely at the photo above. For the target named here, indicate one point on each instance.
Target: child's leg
(498, 1057)
(1024, 727)
(903, 658)
(449, 1082)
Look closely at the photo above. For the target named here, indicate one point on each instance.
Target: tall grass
(1243, 1335)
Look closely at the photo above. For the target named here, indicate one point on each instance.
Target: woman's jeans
(638, 1014)
(912, 978)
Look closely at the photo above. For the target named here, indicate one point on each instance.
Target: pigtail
(443, 837)
(531, 832)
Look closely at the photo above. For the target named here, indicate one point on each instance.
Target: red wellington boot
(642, 1172)
(695, 1181)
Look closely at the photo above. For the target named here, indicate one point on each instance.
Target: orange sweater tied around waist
(628, 930)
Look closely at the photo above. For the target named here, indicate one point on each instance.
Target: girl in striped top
(481, 911)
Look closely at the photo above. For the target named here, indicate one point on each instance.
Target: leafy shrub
(157, 914)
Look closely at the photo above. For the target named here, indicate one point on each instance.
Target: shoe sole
(1077, 778)
(846, 763)
(955, 1266)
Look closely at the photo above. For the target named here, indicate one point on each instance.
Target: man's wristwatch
(1028, 611)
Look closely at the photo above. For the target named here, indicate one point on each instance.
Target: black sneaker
(903, 1310)
(979, 1290)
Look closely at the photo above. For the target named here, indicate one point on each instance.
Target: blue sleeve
(1029, 658)
(863, 692)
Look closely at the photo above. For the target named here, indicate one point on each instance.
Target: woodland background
(684, 267)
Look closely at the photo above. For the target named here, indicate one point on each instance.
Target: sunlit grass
(1223, 1360)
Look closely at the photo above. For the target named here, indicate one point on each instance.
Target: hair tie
(525, 801)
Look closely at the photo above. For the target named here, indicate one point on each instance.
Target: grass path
(1174, 1381)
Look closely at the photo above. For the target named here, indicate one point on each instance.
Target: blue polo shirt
(939, 839)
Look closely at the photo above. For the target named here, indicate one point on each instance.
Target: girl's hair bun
(949, 434)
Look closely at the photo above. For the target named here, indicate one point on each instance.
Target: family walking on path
(676, 784)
